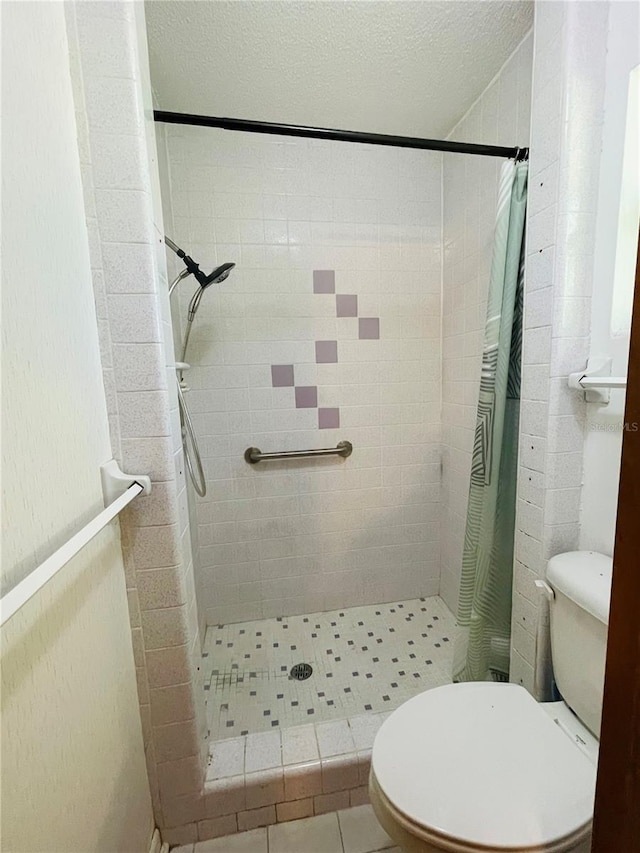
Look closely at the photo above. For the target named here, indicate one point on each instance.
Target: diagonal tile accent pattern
(346, 305)
(306, 396)
(369, 328)
(324, 281)
(329, 418)
(282, 375)
(326, 352)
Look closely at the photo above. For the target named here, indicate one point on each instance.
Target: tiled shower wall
(327, 330)
(499, 117)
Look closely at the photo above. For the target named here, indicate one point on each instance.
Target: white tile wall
(298, 537)
(112, 98)
(499, 117)
(568, 92)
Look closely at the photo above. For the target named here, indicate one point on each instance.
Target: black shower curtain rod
(341, 135)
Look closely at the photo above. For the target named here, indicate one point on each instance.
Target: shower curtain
(484, 607)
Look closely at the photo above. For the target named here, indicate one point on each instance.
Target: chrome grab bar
(253, 455)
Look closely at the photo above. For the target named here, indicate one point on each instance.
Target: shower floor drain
(301, 671)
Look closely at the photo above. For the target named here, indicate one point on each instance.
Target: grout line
(340, 827)
(493, 80)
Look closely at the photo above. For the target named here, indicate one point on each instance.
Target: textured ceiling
(386, 66)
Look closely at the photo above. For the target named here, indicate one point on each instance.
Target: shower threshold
(364, 660)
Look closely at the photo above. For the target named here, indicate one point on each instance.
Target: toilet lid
(483, 764)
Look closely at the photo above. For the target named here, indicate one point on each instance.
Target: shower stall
(326, 583)
(327, 331)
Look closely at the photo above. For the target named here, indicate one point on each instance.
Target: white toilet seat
(481, 766)
(414, 838)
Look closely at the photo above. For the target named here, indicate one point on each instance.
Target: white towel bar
(602, 382)
(596, 380)
(27, 588)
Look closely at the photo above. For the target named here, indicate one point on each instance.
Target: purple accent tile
(306, 396)
(326, 352)
(369, 328)
(346, 305)
(324, 281)
(281, 375)
(328, 418)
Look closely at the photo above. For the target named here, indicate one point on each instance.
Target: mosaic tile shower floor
(364, 659)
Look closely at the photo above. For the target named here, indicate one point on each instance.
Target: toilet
(483, 766)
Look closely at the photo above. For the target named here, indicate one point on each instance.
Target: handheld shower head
(216, 276)
(219, 274)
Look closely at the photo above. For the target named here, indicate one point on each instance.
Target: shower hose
(190, 446)
(189, 441)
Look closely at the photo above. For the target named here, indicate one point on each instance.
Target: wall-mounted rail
(254, 455)
(596, 380)
(602, 382)
(113, 480)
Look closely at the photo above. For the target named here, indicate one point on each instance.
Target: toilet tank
(579, 613)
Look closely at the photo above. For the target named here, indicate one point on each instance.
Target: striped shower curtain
(484, 606)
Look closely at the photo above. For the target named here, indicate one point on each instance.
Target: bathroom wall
(112, 93)
(603, 434)
(500, 116)
(566, 136)
(73, 769)
(327, 330)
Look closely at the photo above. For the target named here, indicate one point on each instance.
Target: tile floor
(363, 658)
(350, 831)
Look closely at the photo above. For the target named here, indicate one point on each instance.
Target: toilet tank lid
(585, 578)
